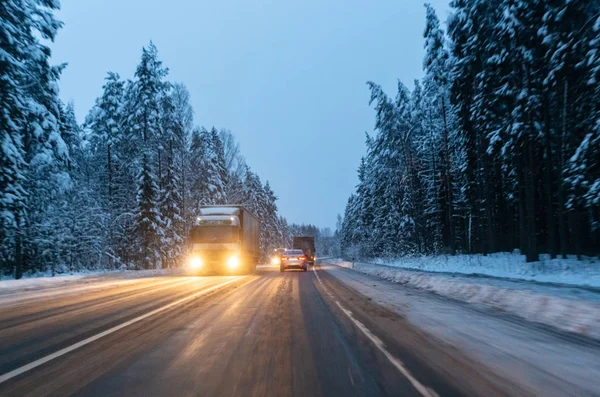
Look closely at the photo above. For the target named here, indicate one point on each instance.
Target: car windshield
(214, 234)
(294, 252)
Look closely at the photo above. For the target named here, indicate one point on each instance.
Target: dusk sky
(286, 77)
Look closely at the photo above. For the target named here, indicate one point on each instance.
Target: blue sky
(287, 77)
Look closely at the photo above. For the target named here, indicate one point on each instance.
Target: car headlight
(275, 260)
(233, 262)
(195, 262)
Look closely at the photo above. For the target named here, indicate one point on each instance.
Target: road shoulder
(437, 365)
(546, 362)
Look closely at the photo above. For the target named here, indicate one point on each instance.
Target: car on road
(293, 259)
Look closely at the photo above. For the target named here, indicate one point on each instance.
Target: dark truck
(224, 240)
(306, 244)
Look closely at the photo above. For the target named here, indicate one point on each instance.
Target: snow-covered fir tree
(501, 150)
(209, 177)
(148, 222)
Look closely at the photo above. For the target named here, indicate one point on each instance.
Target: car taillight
(301, 258)
(284, 258)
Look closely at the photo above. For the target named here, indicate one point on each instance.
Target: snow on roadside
(38, 282)
(42, 281)
(508, 265)
(567, 309)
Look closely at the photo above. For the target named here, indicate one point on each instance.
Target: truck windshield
(214, 234)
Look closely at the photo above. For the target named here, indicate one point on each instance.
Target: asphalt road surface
(265, 334)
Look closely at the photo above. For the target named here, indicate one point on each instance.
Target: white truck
(224, 240)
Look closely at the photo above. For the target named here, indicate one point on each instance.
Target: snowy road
(267, 334)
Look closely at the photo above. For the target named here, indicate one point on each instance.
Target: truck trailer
(224, 240)
(306, 244)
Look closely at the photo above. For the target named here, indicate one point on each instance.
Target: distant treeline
(327, 242)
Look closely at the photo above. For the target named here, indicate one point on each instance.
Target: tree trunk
(18, 256)
(160, 179)
(109, 171)
(551, 227)
(183, 195)
(561, 183)
(438, 231)
(481, 194)
(448, 181)
(415, 202)
(578, 226)
(522, 229)
(488, 202)
(436, 215)
(470, 249)
(532, 254)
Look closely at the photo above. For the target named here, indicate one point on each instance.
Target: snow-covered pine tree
(468, 28)
(105, 123)
(397, 189)
(171, 211)
(208, 169)
(18, 43)
(184, 121)
(518, 143)
(436, 81)
(148, 223)
(218, 167)
(273, 234)
(197, 177)
(570, 35)
(173, 132)
(81, 218)
(286, 237)
(235, 165)
(32, 116)
(426, 135)
(144, 145)
(364, 212)
(254, 199)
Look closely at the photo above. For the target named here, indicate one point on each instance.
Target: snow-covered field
(567, 308)
(508, 265)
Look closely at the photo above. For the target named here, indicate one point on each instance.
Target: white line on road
(424, 390)
(43, 360)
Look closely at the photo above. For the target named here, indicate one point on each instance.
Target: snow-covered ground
(546, 362)
(567, 308)
(48, 275)
(508, 265)
(41, 283)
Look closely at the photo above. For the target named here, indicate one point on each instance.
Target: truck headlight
(195, 262)
(233, 262)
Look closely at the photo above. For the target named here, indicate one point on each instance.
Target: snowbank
(566, 308)
(43, 280)
(508, 265)
(38, 282)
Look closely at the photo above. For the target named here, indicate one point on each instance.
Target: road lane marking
(62, 352)
(422, 389)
